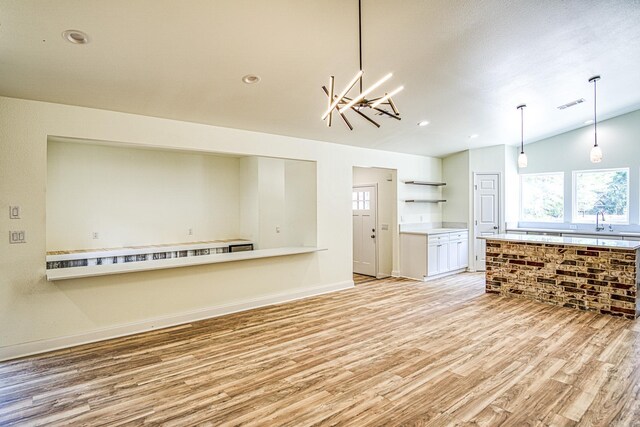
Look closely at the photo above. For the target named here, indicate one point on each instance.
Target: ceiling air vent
(571, 104)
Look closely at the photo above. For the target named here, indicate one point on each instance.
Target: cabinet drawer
(461, 235)
(438, 238)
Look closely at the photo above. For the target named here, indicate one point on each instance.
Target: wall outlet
(17, 237)
(277, 229)
(14, 212)
(95, 235)
(190, 232)
(384, 226)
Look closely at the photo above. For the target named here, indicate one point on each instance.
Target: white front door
(486, 212)
(364, 230)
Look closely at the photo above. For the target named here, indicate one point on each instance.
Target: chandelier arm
(394, 108)
(351, 84)
(380, 110)
(366, 117)
(330, 94)
(346, 121)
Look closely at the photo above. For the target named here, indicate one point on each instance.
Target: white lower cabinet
(437, 258)
(458, 254)
(428, 256)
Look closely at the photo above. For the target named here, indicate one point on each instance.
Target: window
(606, 191)
(361, 200)
(542, 197)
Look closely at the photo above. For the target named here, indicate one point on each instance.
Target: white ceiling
(465, 65)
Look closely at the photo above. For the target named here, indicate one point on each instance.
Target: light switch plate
(17, 237)
(14, 212)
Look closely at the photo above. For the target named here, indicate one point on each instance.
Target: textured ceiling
(465, 65)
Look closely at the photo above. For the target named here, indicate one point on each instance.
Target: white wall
(36, 314)
(137, 197)
(386, 214)
(455, 173)
(249, 199)
(619, 139)
(300, 214)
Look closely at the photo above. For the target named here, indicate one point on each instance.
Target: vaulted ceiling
(465, 65)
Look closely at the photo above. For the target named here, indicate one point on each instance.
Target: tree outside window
(605, 191)
(542, 197)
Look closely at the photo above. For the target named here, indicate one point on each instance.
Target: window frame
(575, 218)
(521, 217)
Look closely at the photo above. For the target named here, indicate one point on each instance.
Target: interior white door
(364, 207)
(486, 212)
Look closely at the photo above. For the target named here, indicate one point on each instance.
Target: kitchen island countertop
(567, 241)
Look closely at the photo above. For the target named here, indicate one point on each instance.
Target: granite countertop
(432, 231)
(567, 241)
(563, 231)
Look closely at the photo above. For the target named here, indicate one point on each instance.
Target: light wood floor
(389, 352)
(361, 279)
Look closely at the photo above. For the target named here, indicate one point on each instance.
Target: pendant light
(522, 158)
(596, 152)
(360, 103)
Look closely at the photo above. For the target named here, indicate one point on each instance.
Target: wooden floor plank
(388, 352)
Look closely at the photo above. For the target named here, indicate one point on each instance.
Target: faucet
(599, 227)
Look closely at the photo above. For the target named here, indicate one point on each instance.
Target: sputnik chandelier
(342, 103)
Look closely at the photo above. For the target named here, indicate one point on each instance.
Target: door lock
(373, 229)
(373, 236)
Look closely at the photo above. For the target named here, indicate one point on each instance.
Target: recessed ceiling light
(423, 123)
(251, 79)
(474, 136)
(588, 122)
(75, 37)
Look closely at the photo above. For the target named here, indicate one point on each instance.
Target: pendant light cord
(521, 108)
(521, 130)
(595, 119)
(360, 38)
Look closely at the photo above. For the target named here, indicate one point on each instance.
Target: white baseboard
(395, 273)
(41, 346)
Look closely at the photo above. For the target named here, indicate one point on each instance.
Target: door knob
(373, 229)
(373, 236)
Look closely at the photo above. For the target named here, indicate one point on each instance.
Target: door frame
(474, 189)
(375, 220)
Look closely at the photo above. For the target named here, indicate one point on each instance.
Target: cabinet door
(432, 260)
(463, 254)
(454, 259)
(443, 257)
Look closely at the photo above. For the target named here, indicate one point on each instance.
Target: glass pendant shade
(596, 154)
(522, 160)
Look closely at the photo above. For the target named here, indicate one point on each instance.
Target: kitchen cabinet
(431, 254)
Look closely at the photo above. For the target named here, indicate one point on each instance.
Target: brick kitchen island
(598, 275)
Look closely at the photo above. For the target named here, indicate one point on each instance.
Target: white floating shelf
(131, 267)
(424, 201)
(433, 184)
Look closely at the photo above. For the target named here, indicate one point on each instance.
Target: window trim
(521, 217)
(575, 219)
